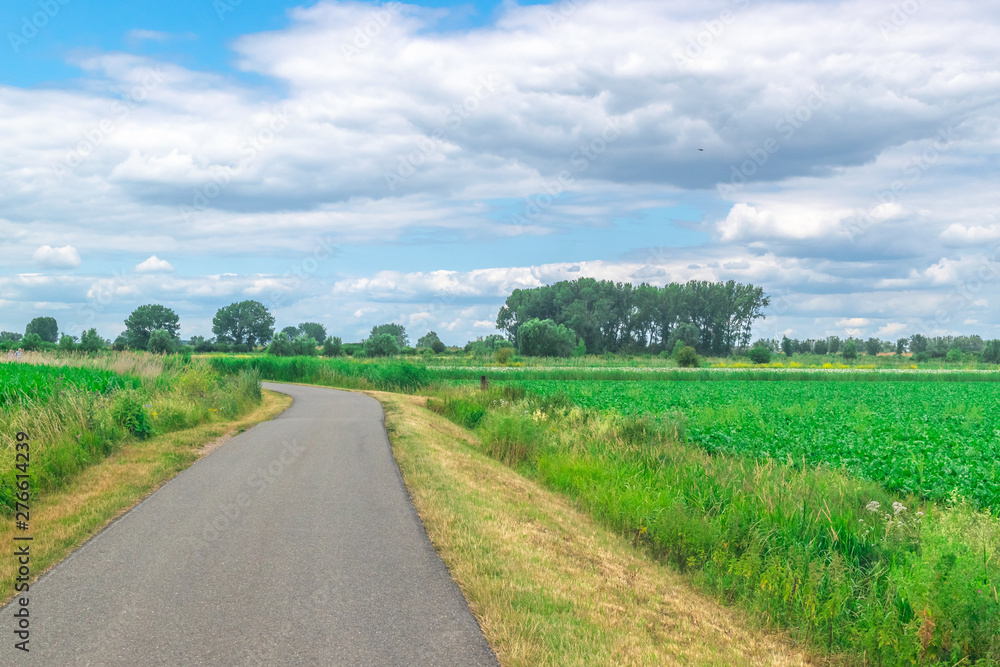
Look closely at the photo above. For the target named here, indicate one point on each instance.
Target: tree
(382, 345)
(67, 343)
(687, 334)
(991, 353)
(545, 338)
(281, 345)
(821, 347)
(291, 332)
(395, 330)
(246, 323)
(304, 346)
(45, 327)
(161, 342)
(437, 347)
(90, 341)
(918, 343)
(428, 340)
(901, 346)
(850, 350)
(787, 346)
(760, 354)
(332, 346)
(9, 335)
(315, 331)
(31, 342)
(954, 356)
(834, 344)
(120, 342)
(144, 320)
(873, 346)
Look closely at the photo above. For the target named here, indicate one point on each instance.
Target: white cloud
(154, 265)
(64, 257)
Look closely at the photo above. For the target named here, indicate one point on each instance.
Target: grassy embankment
(95, 454)
(548, 584)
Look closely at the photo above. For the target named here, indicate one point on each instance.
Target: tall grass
(835, 560)
(502, 373)
(389, 375)
(70, 428)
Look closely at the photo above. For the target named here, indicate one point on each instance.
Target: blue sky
(355, 163)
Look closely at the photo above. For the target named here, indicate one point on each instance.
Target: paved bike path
(295, 543)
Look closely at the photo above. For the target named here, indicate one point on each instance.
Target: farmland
(927, 438)
(21, 382)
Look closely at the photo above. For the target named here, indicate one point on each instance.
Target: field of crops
(24, 382)
(929, 438)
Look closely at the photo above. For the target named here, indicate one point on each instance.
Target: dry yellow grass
(64, 519)
(548, 585)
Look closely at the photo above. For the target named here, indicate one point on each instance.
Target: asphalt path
(295, 543)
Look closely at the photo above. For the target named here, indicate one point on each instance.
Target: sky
(356, 163)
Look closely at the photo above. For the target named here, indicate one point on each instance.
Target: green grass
(812, 549)
(390, 375)
(25, 383)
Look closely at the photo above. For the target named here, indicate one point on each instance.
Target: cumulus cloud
(154, 265)
(64, 257)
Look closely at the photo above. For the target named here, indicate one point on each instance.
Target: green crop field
(929, 438)
(21, 382)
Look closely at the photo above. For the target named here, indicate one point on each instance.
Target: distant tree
(834, 344)
(803, 346)
(545, 338)
(873, 346)
(45, 327)
(315, 331)
(760, 354)
(304, 346)
(991, 353)
(382, 345)
(901, 346)
(437, 347)
(686, 333)
(850, 350)
(291, 332)
(332, 346)
(121, 342)
(67, 343)
(955, 356)
(10, 335)
(688, 358)
(281, 345)
(397, 331)
(821, 347)
(91, 341)
(31, 342)
(161, 342)
(502, 355)
(144, 320)
(918, 343)
(246, 323)
(787, 346)
(428, 340)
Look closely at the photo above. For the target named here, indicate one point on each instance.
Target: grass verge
(549, 585)
(63, 519)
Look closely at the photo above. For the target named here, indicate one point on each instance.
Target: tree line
(605, 316)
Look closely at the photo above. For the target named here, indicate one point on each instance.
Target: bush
(438, 347)
(921, 357)
(688, 358)
(581, 349)
(66, 343)
(304, 346)
(281, 346)
(954, 356)
(821, 347)
(759, 354)
(991, 353)
(850, 350)
(130, 413)
(160, 341)
(545, 338)
(31, 342)
(503, 355)
(381, 345)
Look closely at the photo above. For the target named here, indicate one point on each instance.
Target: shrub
(130, 413)
(332, 346)
(545, 338)
(438, 347)
(688, 358)
(850, 350)
(160, 341)
(381, 345)
(304, 346)
(759, 354)
(921, 357)
(503, 355)
(66, 343)
(31, 342)
(954, 356)
(821, 347)
(991, 353)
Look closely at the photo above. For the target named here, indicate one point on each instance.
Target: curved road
(295, 543)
